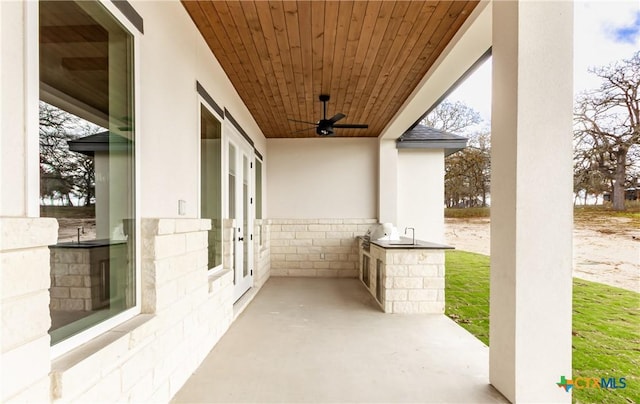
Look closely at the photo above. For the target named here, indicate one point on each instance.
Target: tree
(467, 172)
(452, 117)
(607, 126)
(64, 173)
(587, 180)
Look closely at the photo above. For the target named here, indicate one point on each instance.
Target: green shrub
(465, 213)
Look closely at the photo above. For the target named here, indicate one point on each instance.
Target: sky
(604, 32)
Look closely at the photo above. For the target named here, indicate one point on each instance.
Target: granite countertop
(88, 243)
(406, 244)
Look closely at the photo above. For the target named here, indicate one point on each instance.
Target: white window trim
(32, 107)
(202, 102)
(257, 159)
(83, 337)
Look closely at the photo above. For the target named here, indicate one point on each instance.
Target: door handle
(240, 238)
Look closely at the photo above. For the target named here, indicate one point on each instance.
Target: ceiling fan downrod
(324, 98)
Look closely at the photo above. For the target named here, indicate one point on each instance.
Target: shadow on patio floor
(325, 340)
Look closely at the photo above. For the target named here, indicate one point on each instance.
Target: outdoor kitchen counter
(406, 243)
(404, 277)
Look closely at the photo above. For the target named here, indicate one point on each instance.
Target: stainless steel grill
(379, 231)
(366, 241)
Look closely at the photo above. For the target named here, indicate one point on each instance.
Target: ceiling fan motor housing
(324, 127)
(324, 130)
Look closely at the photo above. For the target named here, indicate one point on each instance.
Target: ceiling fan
(324, 127)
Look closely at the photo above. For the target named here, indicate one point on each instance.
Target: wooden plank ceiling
(367, 55)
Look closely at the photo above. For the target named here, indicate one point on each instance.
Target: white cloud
(595, 43)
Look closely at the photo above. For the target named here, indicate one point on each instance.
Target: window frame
(202, 102)
(259, 196)
(33, 85)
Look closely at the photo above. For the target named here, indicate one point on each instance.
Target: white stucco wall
(173, 55)
(322, 178)
(387, 180)
(12, 85)
(421, 193)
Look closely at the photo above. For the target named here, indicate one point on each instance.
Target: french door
(239, 167)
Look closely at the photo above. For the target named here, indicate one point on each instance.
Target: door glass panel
(87, 163)
(211, 183)
(232, 181)
(232, 204)
(240, 158)
(258, 189)
(245, 214)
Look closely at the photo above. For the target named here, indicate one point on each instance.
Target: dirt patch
(68, 229)
(605, 249)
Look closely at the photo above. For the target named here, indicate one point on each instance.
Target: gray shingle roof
(426, 137)
(103, 141)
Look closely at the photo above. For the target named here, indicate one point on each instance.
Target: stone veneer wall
(185, 312)
(261, 251)
(413, 279)
(316, 247)
(24, 276)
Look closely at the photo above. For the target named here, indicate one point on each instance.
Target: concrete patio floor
(325, 340)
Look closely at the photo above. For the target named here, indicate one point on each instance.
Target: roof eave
(449, 146)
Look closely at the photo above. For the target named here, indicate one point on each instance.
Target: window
(258, 205)
(258, 189)
(87, 163)
(211, 182)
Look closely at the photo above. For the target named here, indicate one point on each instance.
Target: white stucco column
(531, 195)
(388, 181)
(421, 193)
(19, 153)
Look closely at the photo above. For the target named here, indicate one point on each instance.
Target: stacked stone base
(404, 280)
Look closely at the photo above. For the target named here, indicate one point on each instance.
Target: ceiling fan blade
(352, 126)
(301, 130)
(337, 117)
(295, 120)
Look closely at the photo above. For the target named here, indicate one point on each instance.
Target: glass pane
(232, 203)
(258, 189)
(87, 163)
(232, 181)
(211, 182)
(245, 214)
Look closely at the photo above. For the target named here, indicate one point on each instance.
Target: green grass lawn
(466, 213)
(606, 325)
(75, 212)
(587, 212)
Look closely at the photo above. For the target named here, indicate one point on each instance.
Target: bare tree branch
(607, 131)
